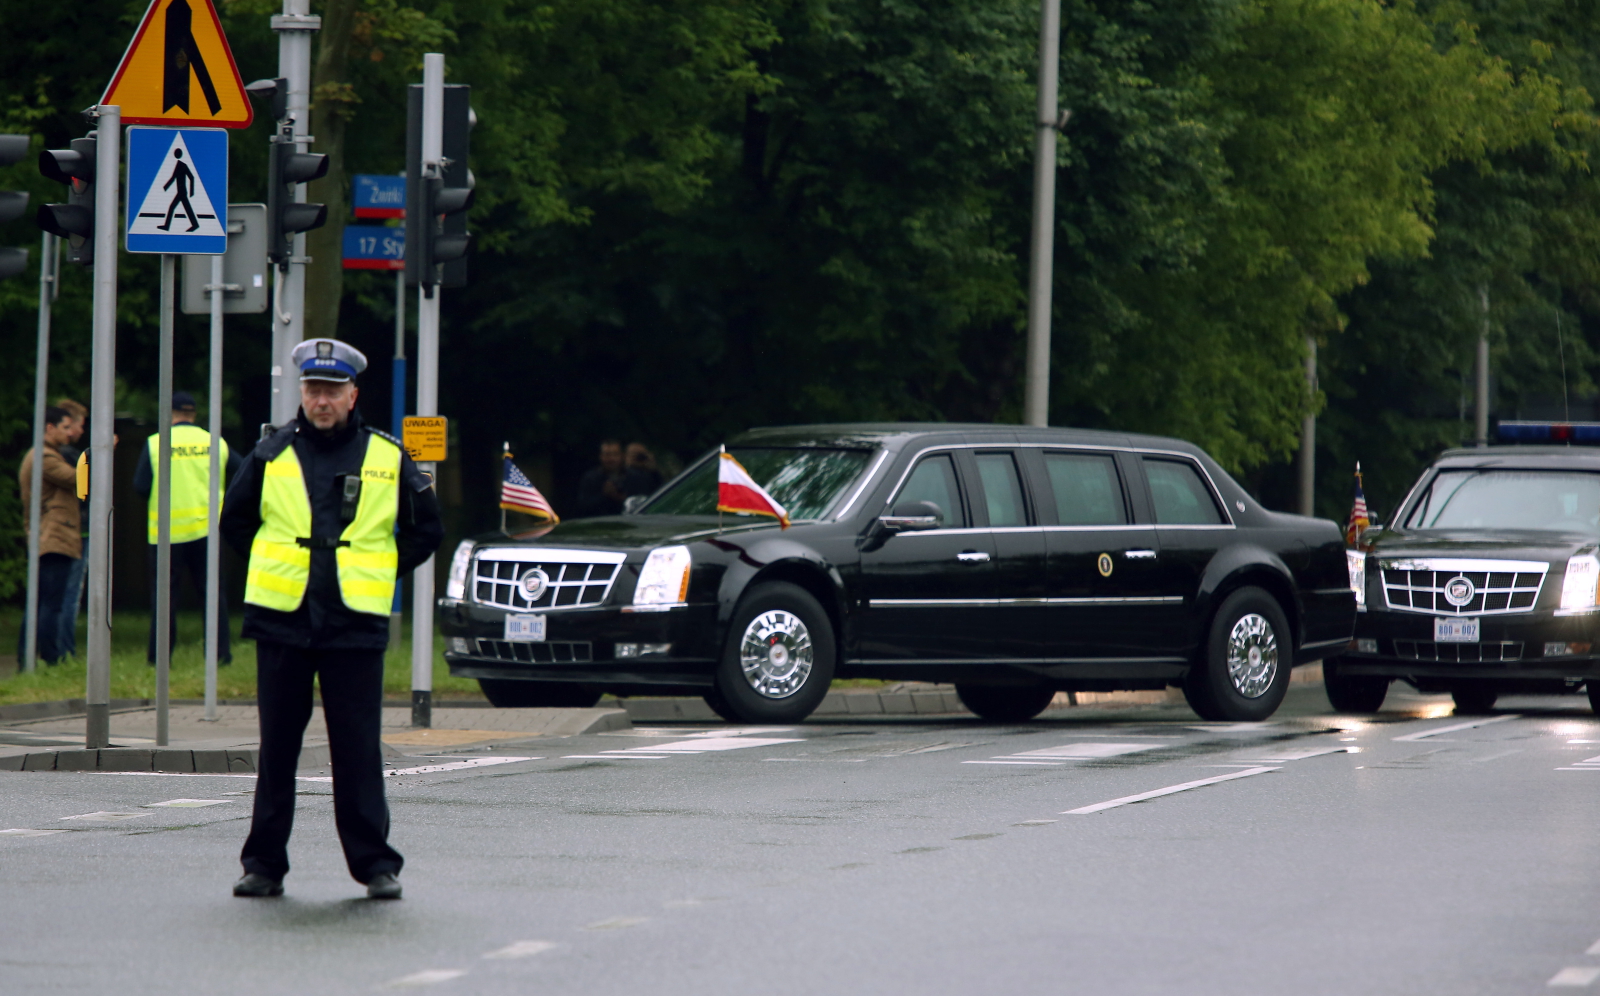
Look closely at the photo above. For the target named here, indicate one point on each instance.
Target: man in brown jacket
(60, 543)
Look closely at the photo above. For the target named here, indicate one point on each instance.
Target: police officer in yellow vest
(330, 512)
(191, 496)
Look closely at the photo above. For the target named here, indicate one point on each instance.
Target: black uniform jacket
(322, 621)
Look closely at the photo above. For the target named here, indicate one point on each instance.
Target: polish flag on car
(737, 491)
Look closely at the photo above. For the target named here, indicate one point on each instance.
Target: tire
(779, 659)
(1594, 696)
(1248, 656)
(1474, 699)
(1353, 692)
(512, 693)
(1005, 703)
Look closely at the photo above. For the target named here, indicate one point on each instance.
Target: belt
(321, 542)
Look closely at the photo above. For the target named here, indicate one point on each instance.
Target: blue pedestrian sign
(374, 247)
(379, 196)
(178, 190)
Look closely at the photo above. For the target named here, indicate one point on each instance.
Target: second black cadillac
(1014, 562)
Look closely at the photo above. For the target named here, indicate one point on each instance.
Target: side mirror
(912, 515)
(632, 504)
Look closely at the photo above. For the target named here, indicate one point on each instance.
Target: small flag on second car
(518, 494)
(738, 492)
(1358, 514)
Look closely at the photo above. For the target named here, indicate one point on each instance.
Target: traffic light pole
(1041, 260)
(214, 490)
(294, 27)
(102, 403)
(169, 280)
(49, 282)
(427, 395)
(397, 411)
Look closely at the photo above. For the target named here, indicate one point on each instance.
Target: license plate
(1455, 631)
(530, 629)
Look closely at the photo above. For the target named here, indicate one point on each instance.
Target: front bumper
(580, 645)
(1511, 647)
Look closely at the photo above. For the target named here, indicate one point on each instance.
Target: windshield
(1554, 501)
(806, 482)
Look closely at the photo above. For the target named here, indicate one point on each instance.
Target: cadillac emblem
(1458, 591)
(533, 583)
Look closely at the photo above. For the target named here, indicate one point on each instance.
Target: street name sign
(179, 70)
(424, 437)
(378, 196)
(178, 190)
(374, 247)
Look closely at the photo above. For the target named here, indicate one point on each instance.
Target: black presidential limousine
(1014, 562)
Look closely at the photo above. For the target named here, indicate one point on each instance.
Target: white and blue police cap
(328, 359)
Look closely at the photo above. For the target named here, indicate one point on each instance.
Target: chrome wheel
(1252, 655)
(776, 654)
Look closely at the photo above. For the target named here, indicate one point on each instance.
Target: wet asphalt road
(1406, 853)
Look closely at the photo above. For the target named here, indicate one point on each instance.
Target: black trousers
(188, 558)
(352, 701)
(54, 568)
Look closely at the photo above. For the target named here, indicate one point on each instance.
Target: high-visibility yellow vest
(191, 481)
(280, 556)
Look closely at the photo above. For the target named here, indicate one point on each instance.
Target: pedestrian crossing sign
(178, 190)
(179, 70)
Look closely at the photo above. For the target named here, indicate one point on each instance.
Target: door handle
(973, 557)
(1139, 554)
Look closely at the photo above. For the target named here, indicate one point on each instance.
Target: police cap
(328, 359)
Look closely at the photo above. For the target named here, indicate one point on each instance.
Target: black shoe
(384, 886)
(259, 886)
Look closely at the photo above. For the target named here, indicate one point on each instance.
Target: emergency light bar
(1550, 432)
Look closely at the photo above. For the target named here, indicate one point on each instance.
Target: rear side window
(1181, 498)
(1002, 489)
(1087, 489)
(934, 480)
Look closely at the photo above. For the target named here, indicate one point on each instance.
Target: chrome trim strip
(866, 479)
(1341, 590)
(656, 607)
(536, 554)
(1404, 563)
(935, 603)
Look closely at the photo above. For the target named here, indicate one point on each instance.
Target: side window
(1088, 491)
(1180, 497)
(1002, 489)
(934, 479)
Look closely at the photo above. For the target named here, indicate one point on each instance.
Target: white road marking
(186, 803)
(1575, 975)
(1034, 823)
(1587, 764)
(1297, 754)
(30, 833)
(106, 817)
(431, 977)
(703, 744)
(1169, 790)
(1047, 764)
(471, 762)
(1067, 752)
(522, 949)
(616, 757)
(617, 923)
(1229, 727)
(1594, 949)
(1457, 727)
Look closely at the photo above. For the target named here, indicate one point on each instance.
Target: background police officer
(191, 500)
(329, 512)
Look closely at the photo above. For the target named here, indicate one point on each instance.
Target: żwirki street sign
(179, 70)
(177, 190)
(373, 247)
(378, 196)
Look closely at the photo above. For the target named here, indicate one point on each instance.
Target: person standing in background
(59, 537)
(643, 477)
(72, 595)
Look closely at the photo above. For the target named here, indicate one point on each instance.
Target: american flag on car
(518, 494)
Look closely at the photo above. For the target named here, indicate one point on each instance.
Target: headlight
(1356, 561)
(664, 579)
(456, 586)
(1578, 590)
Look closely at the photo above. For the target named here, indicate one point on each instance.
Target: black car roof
(1521, 456)
(899, 433)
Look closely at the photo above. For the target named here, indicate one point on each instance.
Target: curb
(920, 703)
(165, 759)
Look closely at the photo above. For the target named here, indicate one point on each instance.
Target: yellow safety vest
(191, 481)
(280, 565)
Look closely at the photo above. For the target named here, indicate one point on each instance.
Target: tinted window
(1510, 499)
(935, 480)
(805, 481)
(1002, 491)
(1088, 492)
(1181, 498)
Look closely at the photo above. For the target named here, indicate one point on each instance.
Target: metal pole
(1041, 261)
(214, 498)
(397, 409)
(169, 279)
(102, 404)
(49, 267)
(1481, 417)
(295, 27)
(1308, 435)
(427, 396)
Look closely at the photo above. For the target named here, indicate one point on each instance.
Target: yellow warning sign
(424, 437)
(178, 70)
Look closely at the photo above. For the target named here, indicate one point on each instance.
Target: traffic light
(12, 204)
(74, 220)
(437, 239)
(286, 166)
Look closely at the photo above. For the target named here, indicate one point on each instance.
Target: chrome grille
(1498, 586)
(536, 653)
(1458, 653)
(575, 578)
